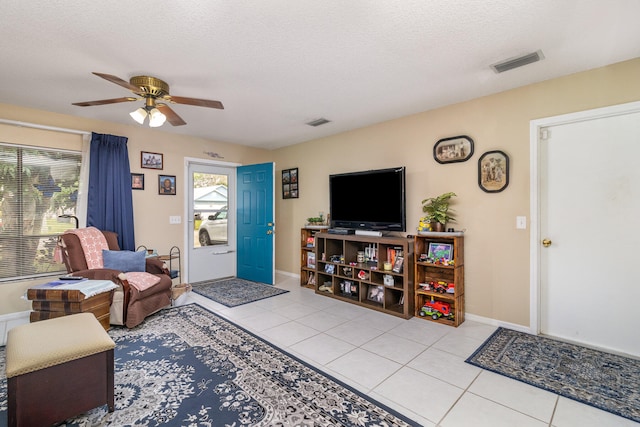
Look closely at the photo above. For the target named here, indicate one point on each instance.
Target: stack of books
(64, 297)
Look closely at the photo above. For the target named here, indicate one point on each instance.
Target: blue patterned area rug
(605, 381)
(234, 292)
(186, 366)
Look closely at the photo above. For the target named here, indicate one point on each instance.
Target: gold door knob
(269, 231)
(546, 243)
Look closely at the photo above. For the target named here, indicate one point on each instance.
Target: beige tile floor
(413, 366)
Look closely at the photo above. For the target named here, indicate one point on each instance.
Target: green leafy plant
(315, 220)
(437, 208)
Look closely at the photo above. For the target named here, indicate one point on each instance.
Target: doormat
(234, 292)
(187, 366)
(606, 381)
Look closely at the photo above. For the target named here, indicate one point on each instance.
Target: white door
(589, 177)
(211, 229)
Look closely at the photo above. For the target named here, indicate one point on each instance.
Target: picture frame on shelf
(354, 289)
(150, 160)
(441, 251)
(290, 188)
(167, 185)
(454, 149)
(137, 181)
(493, 171)
(348, 288)
(311, 260)
(375, 293)
(398, 264)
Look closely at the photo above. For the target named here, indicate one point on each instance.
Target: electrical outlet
(521, 222)
(175, 219)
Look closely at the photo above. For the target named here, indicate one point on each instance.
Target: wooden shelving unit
(342, 273)
(434, 272)
(308, 256)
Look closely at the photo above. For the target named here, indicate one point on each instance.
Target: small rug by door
(606, 381)
(186, 366)
(233, 292)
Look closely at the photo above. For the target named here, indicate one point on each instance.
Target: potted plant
(318, 220)
(437, 211)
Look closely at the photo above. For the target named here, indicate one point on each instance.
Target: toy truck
(436, 309)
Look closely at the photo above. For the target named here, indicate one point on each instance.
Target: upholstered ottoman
(58, 368)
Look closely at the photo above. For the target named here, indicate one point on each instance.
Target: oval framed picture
(493, 171)
(454, 149)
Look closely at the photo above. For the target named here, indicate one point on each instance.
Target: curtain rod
(44, 127)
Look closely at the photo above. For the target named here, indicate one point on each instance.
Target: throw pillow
(125, 261)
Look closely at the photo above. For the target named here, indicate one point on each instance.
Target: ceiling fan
(151, 89)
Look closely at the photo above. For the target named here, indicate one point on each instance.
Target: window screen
(37, 185)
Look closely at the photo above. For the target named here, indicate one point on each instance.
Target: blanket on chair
(92, 242)
(141, 280)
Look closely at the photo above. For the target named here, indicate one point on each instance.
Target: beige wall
(151, 210)
(496, 254)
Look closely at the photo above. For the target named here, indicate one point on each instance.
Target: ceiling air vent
(318, 122)
(520, 61)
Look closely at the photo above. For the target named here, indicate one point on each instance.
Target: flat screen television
(368, 200)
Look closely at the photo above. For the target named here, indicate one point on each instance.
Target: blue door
(255, 223)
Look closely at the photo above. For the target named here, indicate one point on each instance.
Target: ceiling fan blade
(172, 117)
(104, 101)
(117, 80)
(196, 101)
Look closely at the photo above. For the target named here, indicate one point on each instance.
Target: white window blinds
(37, 185)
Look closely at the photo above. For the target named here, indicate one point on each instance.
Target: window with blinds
(37, 185)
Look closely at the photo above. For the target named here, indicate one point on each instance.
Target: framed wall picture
(151, 160)
(454, 149)
(167, 184)
(137, 181)
(493, 171)
(290, 183)
(441, 251)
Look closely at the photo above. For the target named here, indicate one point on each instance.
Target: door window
(210, 207)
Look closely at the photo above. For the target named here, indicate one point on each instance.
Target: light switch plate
(175, 219)
(521, 222)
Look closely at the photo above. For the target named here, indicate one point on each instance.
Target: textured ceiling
(279, 64)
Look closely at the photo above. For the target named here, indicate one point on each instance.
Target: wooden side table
(55, 299)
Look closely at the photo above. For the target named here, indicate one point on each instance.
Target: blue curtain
(110, 205)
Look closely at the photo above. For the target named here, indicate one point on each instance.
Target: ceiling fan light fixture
(151, 90)
(156, 118)
(139, 115)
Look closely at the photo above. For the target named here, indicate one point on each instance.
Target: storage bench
(58, 368)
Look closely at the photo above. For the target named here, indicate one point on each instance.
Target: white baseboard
(494, 322)
(11, 320)
(287, 273)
